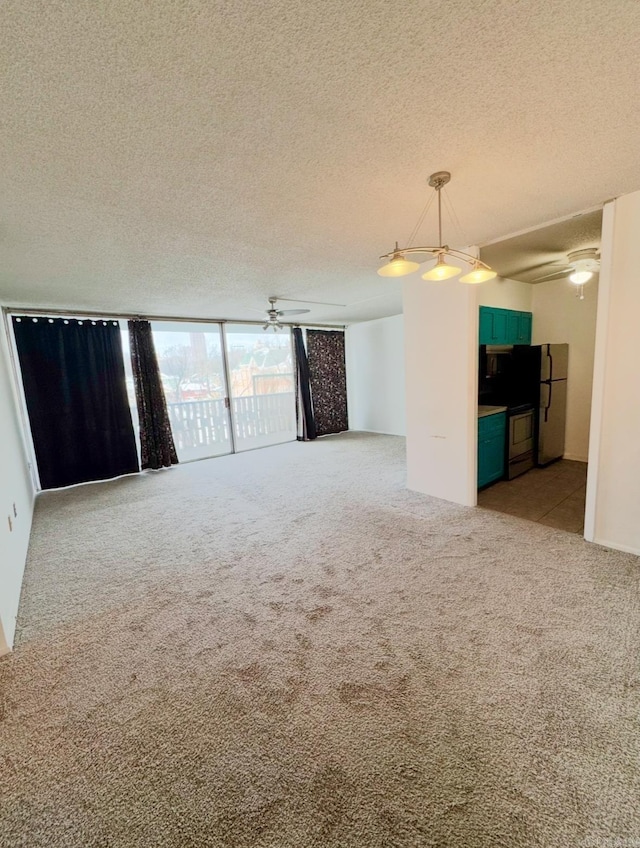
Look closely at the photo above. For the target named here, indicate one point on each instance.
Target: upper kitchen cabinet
(525, 326)
(493, 325)
(504, 326)
(513, 326)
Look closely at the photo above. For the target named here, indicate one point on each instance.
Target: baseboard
(574, 457)
(377, 432)
(626, 549)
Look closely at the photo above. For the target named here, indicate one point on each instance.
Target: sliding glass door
(191, 361)
(262, 386)
(212, 414)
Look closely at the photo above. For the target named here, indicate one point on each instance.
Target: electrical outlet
(15, 511)
(10, 524)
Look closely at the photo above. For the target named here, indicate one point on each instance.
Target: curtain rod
(118, 316)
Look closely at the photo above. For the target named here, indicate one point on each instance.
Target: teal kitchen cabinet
(492, 431)
(504, 326)
(513, 327)
(493, 325)
(525, 326)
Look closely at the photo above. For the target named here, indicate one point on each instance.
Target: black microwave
(496, 362)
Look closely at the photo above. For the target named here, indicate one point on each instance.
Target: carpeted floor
(287, 648)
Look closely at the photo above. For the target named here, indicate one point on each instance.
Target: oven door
(521, 434)
(521, 442)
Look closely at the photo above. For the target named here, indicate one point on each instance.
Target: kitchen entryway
(554, 495)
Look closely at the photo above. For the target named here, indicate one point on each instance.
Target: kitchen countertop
(490, 410)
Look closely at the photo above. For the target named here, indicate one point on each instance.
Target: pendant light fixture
(399, 266)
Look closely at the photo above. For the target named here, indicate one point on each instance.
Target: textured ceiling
(531, 255)
(194, 157)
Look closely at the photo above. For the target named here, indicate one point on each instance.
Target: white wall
(505, 294)
(441, 362)
(613, 485)
(15, 488)
(375, 376)
(558, 317)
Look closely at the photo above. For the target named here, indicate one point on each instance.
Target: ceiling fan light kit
(584, 263)
(274, 315)
(580, 268)
(579, 278)
(399, 266)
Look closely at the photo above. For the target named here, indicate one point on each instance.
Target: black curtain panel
(328, 377)
(76, 395)
(157, 448)
(304, 405)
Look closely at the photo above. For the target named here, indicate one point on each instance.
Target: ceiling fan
(274, 315)
(580, 266)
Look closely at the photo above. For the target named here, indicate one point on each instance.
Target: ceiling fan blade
(554, 276)
(315, 302)
(292, 311)
(367, 299)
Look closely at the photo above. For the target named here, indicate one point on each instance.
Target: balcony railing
(201, 427)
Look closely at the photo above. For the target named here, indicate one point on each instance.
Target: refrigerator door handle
(545, 363)
(550, 365)
(546, 409)
(545, 403)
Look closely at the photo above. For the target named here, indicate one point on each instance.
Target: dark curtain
(304, 405)
(76, 395)
(157, 448)
(325, 350)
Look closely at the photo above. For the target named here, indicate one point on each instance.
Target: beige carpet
(287, 648)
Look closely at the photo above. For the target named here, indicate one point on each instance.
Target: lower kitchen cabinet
(491, 448)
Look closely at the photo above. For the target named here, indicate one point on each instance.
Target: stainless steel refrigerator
(554, 363)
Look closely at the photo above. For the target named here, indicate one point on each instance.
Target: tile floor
(554, 495)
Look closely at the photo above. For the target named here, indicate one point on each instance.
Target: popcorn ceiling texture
(193, 157)
(287, 649)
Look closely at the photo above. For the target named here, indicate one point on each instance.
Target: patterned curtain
(328, 377)
(304, 405)
(157, 448)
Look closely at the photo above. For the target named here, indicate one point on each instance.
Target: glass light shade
(580, 277)
(479, 274)
(441, 271)
(398, 266)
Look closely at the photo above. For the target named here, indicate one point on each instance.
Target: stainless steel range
(521, 439)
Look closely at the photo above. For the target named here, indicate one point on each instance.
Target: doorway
(537, 269)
